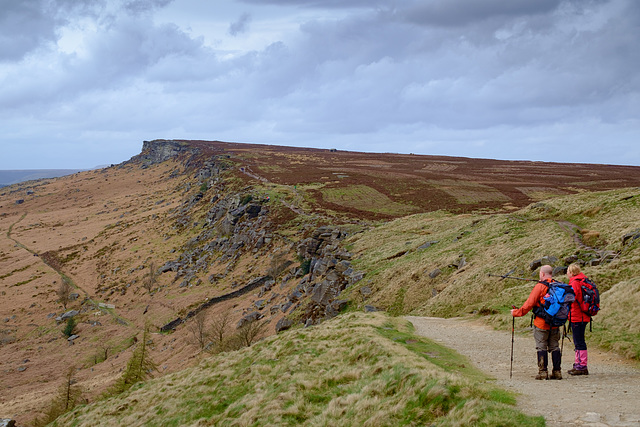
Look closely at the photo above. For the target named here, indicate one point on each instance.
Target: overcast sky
(84, 82)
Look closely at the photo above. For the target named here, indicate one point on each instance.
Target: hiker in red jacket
(547, 338)
(579, 321)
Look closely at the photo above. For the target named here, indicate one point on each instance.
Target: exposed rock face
(159, 150)
(330, 273)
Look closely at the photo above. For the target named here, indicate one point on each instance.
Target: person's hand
(513, 312)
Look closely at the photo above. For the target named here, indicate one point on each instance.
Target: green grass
(365, 198)
(398, 272)
(354, 370)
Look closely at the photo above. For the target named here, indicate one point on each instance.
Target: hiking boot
(575, 371)
(542, 375)
(556, 375)
(556, 357)
(543, 360)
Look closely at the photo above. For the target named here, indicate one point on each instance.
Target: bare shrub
(102, 352)
(219, 328)
(250, 332)
(151, 278)
(64, 291)
(198, 329)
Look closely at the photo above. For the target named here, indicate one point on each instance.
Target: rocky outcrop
(160, 150)
(330, 273)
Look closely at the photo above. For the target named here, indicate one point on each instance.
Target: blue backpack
(557, 303)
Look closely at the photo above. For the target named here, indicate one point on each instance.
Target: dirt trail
(609, 396)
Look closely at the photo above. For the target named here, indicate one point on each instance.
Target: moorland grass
(499, 243)
(357, 369)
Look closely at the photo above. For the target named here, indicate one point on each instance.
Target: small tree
(219, 328)
(139, 367)
(197, 327)
(250, 332)
(150, 278)
(102, 353)
(64, 291)
(70, 327)
(69, 395)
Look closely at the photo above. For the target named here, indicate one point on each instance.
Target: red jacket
(577, 315)
(536, 298)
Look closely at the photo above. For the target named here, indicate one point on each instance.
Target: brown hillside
(211, 216)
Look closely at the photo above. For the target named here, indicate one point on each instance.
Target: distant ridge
(9, 177)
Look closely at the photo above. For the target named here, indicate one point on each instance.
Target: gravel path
(609, 396)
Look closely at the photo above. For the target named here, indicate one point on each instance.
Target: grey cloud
(322, 4)
(541, 71)
(121, 53)
(28, 25)
(23, 27)
(463, 12)
(241, 25)
(144, 6)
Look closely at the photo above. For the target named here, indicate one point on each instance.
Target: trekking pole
(513, 331)
(514, 278)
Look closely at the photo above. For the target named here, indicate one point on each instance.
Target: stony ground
(609, 396)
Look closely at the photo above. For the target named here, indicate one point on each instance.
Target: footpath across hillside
(609, 396)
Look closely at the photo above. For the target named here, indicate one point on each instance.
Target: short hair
(546, 269)
(573, 269)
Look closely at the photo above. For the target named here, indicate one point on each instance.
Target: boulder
(253, 210)
(286, 306)
(571, 259)
(322, 293)
(356, 276)
(69, 314)
(630, 237)
(548, 260)
(249, 318)
(427, 244)
(169, 266)
(283, 324)
(370, 309)
(342, 266)
(534, 265)
(435, 273)
(557, 271)
(365, 291)
(274, 309)
(340, 304)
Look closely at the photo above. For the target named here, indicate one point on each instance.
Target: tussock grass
(357, 369)
(500, 243)
(618, 328)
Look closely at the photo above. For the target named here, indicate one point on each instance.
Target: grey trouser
(546, 340)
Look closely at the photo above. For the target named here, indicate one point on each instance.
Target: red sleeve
(538, 291)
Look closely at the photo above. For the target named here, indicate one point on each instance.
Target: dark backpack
(590, 304)
(557, 303)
